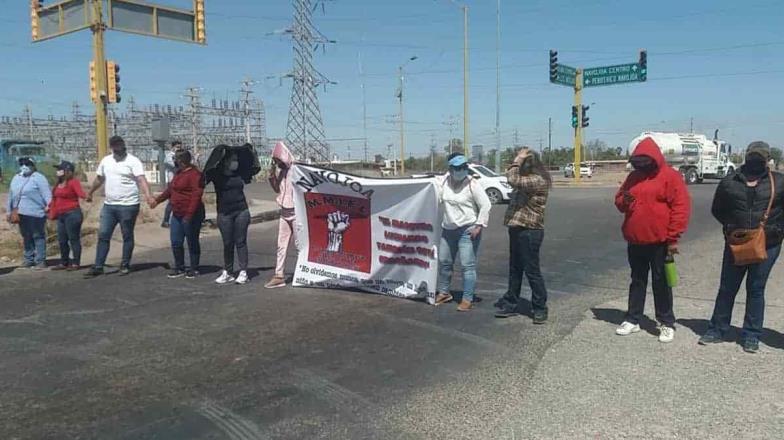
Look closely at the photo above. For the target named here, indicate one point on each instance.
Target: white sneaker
(627, 328)
(225, 277)
(242, 278)
(666, 334)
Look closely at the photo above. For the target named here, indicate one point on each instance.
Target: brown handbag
(14, 216)
(748, 245)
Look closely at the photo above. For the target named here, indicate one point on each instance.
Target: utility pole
(691, 125)
(549, 141)
(516, 138)
(465, 79)
(195, 114)
(402, 130)
(99, 61)
(246, 91)
(29, 115)
(498, 87)
(432, 151)
(364, 109)
(578, 130)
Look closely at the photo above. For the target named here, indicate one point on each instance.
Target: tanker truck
(694, 155)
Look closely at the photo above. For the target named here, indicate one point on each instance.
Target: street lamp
(400, 100)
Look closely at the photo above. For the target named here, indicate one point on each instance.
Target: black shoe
(125, 271)
(191, 274)
(176, 273)
(540, 317)
(751, 345)
(93, 272)
(710, 337)
(506, 312)
(503, 302)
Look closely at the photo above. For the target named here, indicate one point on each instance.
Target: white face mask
(60, 173)
(25, 170)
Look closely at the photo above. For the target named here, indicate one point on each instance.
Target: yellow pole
(402, 136)
(465, 80)
(102, 135)
(578, 131)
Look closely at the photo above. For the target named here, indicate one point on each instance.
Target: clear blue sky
(718, 61)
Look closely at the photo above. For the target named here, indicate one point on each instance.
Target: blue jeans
(33, 230)
(524, 246)
(111, 215)
(452, 242)
(69, 235)
(179, 231)
(731, 279)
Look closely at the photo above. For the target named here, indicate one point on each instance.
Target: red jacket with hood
(660, 210)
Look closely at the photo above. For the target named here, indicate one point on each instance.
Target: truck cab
(694, 155)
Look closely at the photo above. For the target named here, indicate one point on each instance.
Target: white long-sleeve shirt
(465, 205)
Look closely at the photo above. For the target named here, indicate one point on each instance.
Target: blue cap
(458, 161)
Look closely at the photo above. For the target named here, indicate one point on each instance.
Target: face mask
(119, 152)
(25, 170)
(755, 164)
(643, 164)
(60, 173)
(233, 166)
(458, 175)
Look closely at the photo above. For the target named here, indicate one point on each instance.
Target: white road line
(233, 425)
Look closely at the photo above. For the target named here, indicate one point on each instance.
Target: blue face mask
(25, 170)
(458, 175)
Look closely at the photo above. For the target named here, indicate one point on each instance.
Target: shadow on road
(615, 316)
(770, 337)
(7, 270)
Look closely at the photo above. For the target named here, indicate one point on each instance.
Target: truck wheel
(691, 176)
(494, 195)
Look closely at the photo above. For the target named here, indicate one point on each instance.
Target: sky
(717, 64)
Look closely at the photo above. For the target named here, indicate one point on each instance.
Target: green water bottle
(670, 271)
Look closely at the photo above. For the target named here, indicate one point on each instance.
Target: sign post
(134, 16)
(578, 78)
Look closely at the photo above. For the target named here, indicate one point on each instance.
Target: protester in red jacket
(184, 193)
(656, 205)
(65, 210)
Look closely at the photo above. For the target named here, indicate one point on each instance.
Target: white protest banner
(378, 235)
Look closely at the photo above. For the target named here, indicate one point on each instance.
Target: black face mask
(643, 163)
(755, 165)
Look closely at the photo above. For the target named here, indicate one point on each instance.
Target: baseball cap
(458, 161)
(65, 166)
(759, 147)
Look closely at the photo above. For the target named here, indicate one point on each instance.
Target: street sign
(138, 17)
(609, 75)
(60, 18)
(565, 75)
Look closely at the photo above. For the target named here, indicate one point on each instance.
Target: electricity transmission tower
(305, 128)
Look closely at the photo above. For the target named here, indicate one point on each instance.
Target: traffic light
(113, 82)
(35, 5)
(585, 116)
(643, 65)
(93, 83)
(574, 116)
(201, 31)
(553, 65)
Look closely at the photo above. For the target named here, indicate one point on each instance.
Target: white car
(585, 170)
(495, 185)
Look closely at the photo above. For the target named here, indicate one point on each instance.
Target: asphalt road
(145, 357)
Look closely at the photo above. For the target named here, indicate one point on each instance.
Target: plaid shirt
(526, 207)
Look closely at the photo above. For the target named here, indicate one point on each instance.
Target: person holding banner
(466, 212)
(281, 183)
(525, 220)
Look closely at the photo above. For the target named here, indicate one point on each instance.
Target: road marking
(32, 319)
(233, 425)
(327, 390)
